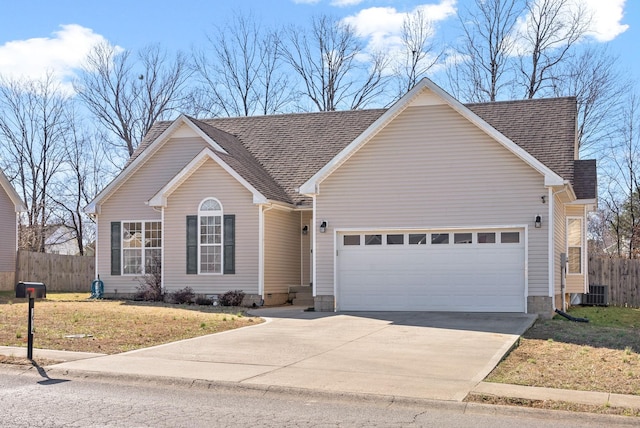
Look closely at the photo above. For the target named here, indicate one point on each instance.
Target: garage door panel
(440, 277)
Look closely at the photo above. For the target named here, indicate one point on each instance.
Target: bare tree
(623, 190)
(33, 127)
(330, 60)
(240, 71)
(594, 79)
(128, 96)
(552, 28)
(420, 53)
(487, 49)
(83, 173)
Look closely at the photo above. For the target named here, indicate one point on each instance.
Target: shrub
(232, 298)
(203, 301)
(184, 295)
(150, 287)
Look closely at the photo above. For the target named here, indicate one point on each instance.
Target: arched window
(210, 236)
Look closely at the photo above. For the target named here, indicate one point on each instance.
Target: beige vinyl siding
(8, 225)
(431, 168)
(305, 247)
(576, 282)
(128, 203)
(281, 250)
(560, 239)
(211, 181)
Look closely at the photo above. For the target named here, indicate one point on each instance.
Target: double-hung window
(574, 245)
(141, 247)
(210, 239)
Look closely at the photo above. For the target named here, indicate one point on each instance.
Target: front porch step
(301, 295)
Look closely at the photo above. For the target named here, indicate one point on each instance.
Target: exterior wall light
(305, 229)
(323, 226)
(538, 222)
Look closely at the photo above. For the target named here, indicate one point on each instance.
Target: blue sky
(36, 35)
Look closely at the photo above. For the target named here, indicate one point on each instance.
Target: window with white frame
(210, 236)
(574, 245)
(141, 247)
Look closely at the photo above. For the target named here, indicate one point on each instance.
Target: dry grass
(602, 355)
(552, 405)
(110, 326)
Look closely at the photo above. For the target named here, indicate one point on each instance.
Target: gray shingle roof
(585, 179)
(545, 128)
(278, 153)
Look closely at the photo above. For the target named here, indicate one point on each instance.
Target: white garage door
(463, 271)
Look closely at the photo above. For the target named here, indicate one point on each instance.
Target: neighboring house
(428, 205)
(10, 207)
(60, 239)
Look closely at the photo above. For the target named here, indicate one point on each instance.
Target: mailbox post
(30, 290)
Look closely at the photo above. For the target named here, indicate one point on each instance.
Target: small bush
(150, 287)
(184, 295)
(232, 298)
(203, 301)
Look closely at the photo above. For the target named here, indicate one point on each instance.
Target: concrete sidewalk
(433, 356)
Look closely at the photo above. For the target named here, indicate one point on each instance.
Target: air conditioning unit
(598, 295)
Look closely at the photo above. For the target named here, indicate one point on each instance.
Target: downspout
(261, 212)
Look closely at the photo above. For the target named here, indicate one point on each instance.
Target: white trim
(160, 198)
(551, 245)
(18, 204)
(95, 250)
(311, 186)
(162, 264)
(585, 250)
(142, 248)
(217, 213)
(263, 208)
(94, 206)
(314, 249)
(582, 242)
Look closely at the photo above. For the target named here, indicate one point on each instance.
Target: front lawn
(72, 322)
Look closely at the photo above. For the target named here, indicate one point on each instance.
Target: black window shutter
(229, 244)
(192, 244)
(115, 248)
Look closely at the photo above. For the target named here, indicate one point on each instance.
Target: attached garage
(473, 270)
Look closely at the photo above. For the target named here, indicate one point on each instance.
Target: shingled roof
(278, 153)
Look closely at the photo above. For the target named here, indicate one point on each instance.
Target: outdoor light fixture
(544, 199)
(323, 226)
(305, 229)
(538, 222)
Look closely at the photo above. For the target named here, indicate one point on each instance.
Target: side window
(574, 245)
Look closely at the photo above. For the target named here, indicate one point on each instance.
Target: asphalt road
(27, 399)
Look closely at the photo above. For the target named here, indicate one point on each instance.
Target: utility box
(39, 289)
(598, 296)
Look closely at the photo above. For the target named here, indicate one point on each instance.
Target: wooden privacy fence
(621, 275)
(58, 272)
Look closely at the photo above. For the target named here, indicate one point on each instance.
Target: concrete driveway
(423, 355)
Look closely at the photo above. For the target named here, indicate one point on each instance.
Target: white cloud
(382, 26)
(345, 3)
(606, 18)
(62, 54)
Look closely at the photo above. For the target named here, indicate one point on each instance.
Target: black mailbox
(39, 289)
